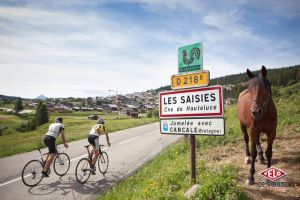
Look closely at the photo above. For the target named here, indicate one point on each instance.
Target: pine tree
(18, 106)
(41, 115)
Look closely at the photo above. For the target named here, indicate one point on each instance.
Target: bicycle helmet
(58, 120)
(100, 121)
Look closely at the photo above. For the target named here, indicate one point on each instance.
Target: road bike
(32, 171)
(83, 168)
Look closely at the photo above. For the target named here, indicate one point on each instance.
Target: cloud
(74, 48)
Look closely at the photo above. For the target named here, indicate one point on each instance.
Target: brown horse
(256, 110)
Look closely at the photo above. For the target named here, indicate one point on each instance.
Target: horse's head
(260, 89)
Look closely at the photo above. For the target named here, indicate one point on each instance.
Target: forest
(234, 84)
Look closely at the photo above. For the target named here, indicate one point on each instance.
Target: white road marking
(130, 140)
(150, 133)
(11, 181)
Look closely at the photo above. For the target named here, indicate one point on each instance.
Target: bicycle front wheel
(103, 162)
(32, 173)
(82, 171)
(61, 164)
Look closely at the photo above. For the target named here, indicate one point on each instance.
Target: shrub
(155, 113)
(149, 114)
(41, 115)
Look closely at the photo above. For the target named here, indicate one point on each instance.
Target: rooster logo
(194, 54)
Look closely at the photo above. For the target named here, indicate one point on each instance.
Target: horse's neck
(243, 93)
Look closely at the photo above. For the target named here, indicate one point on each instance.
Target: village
(130, 104)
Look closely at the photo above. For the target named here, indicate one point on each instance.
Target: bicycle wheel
(61, 164)
(32, 173)
(103, 162)
(82, 172)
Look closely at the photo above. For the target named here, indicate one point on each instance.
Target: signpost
(203, 126)
(181, 81)
(196, 111)
(199, 102)
(190, 58)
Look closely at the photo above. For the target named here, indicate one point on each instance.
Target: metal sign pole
(193, 158)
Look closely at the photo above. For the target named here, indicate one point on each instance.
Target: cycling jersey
(55, 129)
(98, 129)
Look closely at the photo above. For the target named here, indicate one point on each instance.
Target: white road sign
(201, 126)
(197, 103)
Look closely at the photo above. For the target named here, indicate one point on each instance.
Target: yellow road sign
(181, 81)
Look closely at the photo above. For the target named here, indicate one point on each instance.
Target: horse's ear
(249, 73)
(264, 71)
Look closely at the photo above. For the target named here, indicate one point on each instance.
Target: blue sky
(86, 48)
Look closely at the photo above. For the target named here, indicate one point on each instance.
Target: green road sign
(190, 58)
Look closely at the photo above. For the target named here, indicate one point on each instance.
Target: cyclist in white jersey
(55, 129)
(93, 139)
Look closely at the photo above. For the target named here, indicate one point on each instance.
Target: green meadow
(76, 125)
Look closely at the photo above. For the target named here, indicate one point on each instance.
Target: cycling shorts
(94, 140)
(49, 141)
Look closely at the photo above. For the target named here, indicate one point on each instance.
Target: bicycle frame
(43, 154)
(90, 153)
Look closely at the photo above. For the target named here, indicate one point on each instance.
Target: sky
(77, 48)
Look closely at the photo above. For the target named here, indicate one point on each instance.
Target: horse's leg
(246, 139)
(270, 139)
(261, 158)
(253, 142)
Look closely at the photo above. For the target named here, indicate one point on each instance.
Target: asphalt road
(130, 149)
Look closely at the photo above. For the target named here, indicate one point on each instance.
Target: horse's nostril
(259, 111)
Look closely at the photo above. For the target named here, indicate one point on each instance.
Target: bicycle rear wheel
(103, 162)
(61, 164)
(82, 171)
(32, 173)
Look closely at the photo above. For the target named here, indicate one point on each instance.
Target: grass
(158, 179)
(167, 176)
(9, 123)
(77, 127)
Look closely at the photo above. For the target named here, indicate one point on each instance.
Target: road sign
(203, 126)
(190, 58)
(198, 102)
(190, 80)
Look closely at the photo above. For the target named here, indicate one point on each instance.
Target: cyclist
(93, 138)
(55, 129)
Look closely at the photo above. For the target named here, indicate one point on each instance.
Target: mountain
(41, 97)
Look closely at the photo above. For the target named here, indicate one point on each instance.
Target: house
(110, 107)
(146, 108)
(99, 109)
(133, 107)
(76, 108)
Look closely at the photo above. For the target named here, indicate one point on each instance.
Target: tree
(18, 106)
(41, 115)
